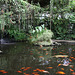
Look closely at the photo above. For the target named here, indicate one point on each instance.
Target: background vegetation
(19, 17)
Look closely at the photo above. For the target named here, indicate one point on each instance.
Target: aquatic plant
(41, 36)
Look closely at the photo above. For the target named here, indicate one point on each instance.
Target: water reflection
(6, 41)
(70, 50)
(16, 59)
(66, 62)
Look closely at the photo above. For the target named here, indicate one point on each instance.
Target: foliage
(63, 28)
(18, 36)
(62, 24)
(18, 17)
(40, 34)
(14, 16)
(72, 18)
(60, 28)
(72, 28)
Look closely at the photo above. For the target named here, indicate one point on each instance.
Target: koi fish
(26, 74)
(44, 49)
(46, 53)
(71, 57)
(62, 68)
(19, 71)
(3, 71)
(70, 60)
(35, 73)
(73, 73)
(60, 72)
(59, 64)
(27, 68)
(23, 68)
(71, 70)
(50, 67)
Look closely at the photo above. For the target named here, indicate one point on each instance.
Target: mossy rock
(44, 43)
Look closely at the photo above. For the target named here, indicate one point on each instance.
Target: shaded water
(26, 59)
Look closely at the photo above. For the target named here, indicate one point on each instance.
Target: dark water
(26, 59)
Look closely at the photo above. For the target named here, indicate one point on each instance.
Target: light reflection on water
(19, 55)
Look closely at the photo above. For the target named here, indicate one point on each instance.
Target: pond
(25, 59)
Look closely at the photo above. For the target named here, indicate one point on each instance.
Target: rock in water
(0, 51)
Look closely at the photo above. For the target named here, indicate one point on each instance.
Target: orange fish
(72, 66)
(71, 57)
(35, 73)
(5, 72)
(2, 70)
(73, 73)
(59, 64)
(41, 70)
(44, 49)
(27, 68)
(23, 68)
(34, 70)
(60, 72)
(70, 60)
(25, 73)
(62, 68)
(19, 71)
(71, 70)
(50, 67)
(74, 58)
(46, 53)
